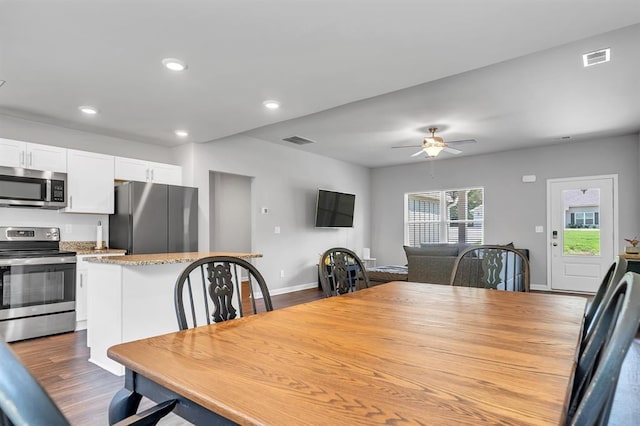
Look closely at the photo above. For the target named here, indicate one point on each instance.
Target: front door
(583, 231)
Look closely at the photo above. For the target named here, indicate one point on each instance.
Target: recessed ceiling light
(88, 109)
(174, 64)
(271, 104)
(596, 57)
(181, 133)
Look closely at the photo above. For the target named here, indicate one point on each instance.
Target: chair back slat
(613, 276)
(493, 267)
(219, 296)
(341, 271)
(22, 400)
(600, 361)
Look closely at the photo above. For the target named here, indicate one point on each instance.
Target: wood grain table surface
(397, 353)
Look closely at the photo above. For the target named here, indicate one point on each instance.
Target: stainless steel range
(37, 284)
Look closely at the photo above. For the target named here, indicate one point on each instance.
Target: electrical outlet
(539, 229)
(276, 230)
(282, 273)
(68, 228)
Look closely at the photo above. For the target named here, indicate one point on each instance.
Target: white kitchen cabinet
(32, 156)
(147, 171)
(89, 182)
(82, 281)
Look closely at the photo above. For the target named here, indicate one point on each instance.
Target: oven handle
(38, 261)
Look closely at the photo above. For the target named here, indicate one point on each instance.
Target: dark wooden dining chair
(23, 401)
(341, 271)
(210, 290)
(599, 364)
(614, 274)
(491, 266)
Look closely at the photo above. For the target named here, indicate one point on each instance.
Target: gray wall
(512, 208)
(285, 180)
(229, 212)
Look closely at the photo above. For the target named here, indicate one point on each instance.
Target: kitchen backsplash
(73, 226)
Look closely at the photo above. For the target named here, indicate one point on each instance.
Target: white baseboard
(291, 289)
(539, 287)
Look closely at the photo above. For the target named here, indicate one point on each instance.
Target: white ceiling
(356, 76)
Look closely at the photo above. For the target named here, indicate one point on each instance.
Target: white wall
(286, 182)
(31, 131)
(512, 208)
(73, 227)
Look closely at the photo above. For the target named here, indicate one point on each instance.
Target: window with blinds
(450, 216)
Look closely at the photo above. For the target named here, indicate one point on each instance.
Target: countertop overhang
(166, 258)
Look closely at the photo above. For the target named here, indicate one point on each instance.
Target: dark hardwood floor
(83, 391)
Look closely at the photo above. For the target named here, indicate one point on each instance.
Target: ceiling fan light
(433, 149)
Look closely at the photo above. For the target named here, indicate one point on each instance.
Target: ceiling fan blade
(463, 141)
(451, 150)
(417, 153)
(406, 146)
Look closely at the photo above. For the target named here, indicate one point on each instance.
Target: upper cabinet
(147, 171)
(32, 156)
(89, 182)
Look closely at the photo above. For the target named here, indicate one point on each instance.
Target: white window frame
(444, 222)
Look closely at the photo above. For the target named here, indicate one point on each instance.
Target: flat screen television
(334, 209)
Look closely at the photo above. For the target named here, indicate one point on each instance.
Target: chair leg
(151, 416)
(124, 404)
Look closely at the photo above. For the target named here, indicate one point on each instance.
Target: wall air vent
(596, 57)
(298, 140)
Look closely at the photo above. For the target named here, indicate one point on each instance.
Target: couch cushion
(432, 250)
(430, 269)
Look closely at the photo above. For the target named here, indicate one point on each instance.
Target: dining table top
(396, 353)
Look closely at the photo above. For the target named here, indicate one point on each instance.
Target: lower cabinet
(82, 275)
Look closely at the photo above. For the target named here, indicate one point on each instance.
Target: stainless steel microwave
(32, 188)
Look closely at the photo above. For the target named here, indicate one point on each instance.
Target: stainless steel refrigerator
(154, 218)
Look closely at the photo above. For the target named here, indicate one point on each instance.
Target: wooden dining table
(396, 353)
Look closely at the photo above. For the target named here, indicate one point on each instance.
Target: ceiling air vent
(298, 140)
(597, 57)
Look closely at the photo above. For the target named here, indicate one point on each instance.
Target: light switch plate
(539, 229)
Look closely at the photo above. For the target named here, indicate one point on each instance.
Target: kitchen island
(130, 297)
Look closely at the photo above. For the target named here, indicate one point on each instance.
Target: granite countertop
(630, 256)
(88, 247)
(164, 258)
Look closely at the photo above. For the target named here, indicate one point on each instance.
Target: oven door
(37, 286)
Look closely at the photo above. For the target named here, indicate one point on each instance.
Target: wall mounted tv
(334, 209)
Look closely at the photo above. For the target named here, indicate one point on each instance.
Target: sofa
(433, 263)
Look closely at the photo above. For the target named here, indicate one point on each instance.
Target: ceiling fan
(433, 145)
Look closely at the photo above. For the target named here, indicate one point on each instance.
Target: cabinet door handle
(21, 159)
(70, 201)
(147, 174)
(152, 175)
(80, 280)
(31, 159)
